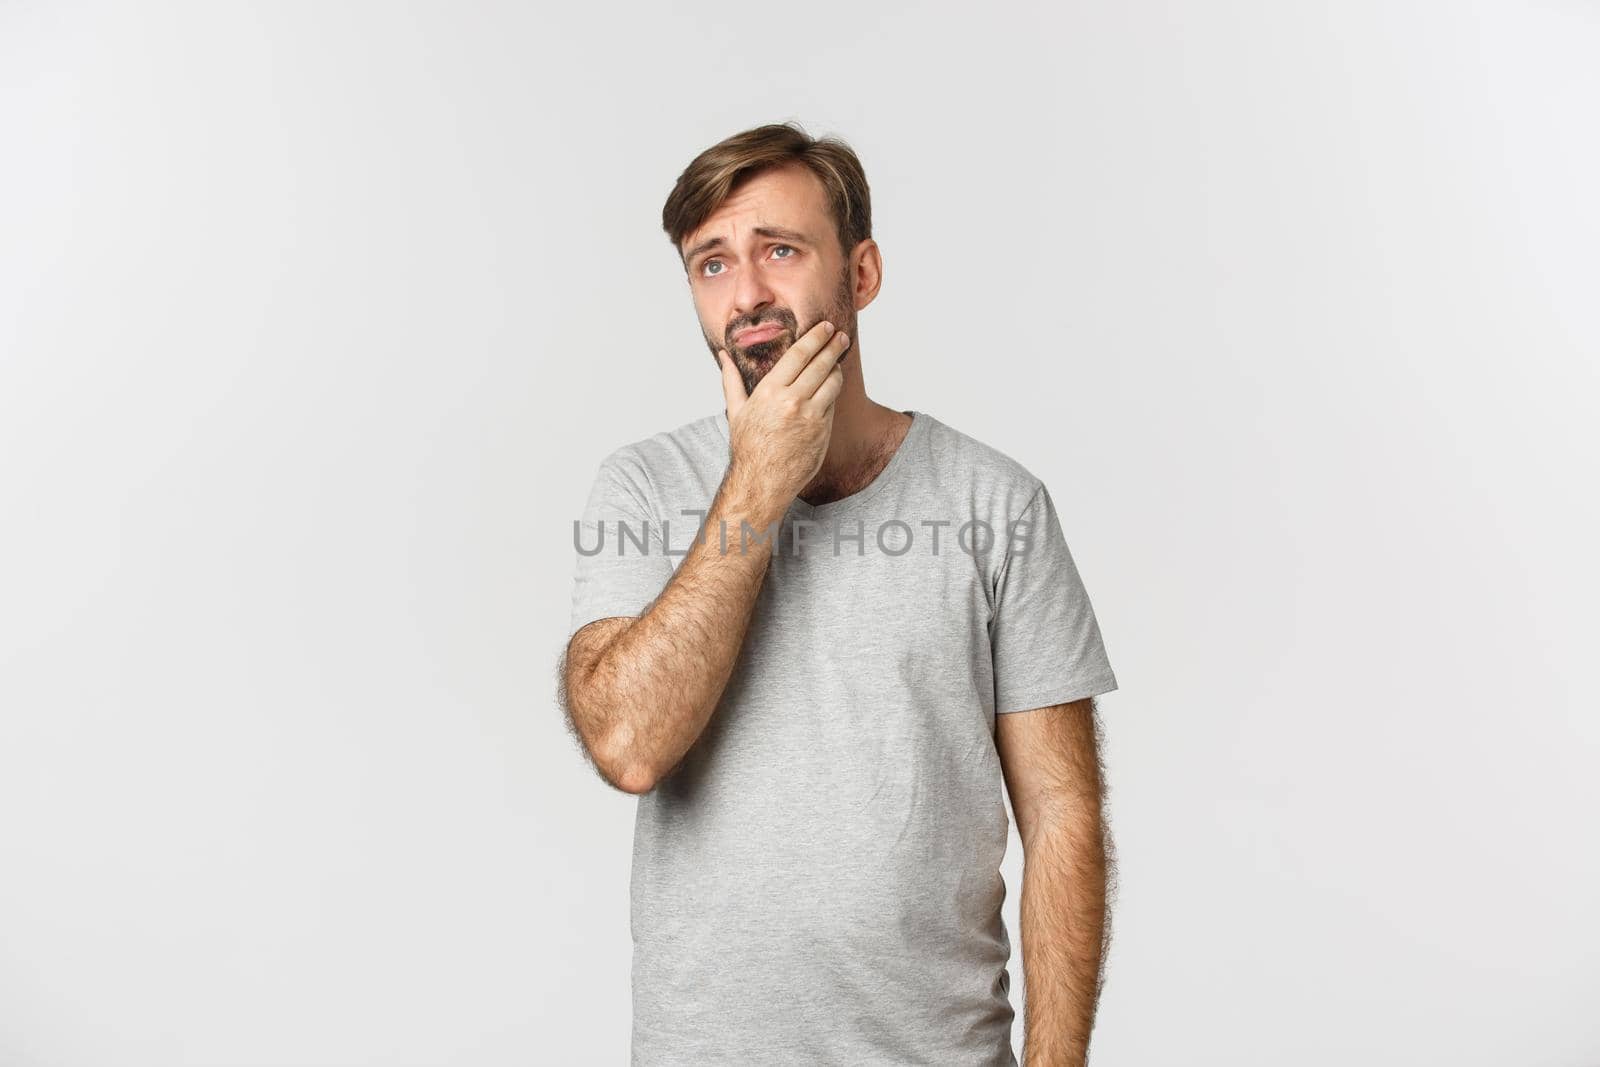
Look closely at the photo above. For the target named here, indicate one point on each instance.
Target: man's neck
(865, 436)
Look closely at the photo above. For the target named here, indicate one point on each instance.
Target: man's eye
(706, 271)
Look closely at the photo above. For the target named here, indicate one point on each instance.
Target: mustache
(786, 321)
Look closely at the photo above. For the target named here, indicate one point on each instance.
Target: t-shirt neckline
(919, 420)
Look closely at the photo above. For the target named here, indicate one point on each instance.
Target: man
(797, 645)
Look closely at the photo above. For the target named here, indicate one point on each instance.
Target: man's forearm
(1064, 928)
(643, 701)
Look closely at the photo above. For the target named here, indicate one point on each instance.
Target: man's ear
(866, 272)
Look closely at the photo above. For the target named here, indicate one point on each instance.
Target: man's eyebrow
(762, 231)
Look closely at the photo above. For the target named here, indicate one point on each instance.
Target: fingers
(817, 371)
(830, 388)
(733, 394)
(793, 361)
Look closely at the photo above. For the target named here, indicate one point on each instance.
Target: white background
(316, 319)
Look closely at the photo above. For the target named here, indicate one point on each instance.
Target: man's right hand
(778, 433)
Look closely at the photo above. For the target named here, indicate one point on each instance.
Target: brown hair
(712, 176)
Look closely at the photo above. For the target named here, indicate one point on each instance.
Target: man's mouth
(757, 334)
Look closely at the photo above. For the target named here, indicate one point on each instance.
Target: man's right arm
(641, 689)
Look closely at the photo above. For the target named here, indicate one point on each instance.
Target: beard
(754, 361)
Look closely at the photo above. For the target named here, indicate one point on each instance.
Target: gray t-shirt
(818, 880)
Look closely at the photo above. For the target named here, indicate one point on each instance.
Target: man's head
(774, 227)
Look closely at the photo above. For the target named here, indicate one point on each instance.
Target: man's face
(769, 256)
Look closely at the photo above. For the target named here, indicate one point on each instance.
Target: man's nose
(751, 294)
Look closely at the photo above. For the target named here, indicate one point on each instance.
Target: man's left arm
(1050, 758)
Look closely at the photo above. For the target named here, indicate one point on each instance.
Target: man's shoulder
(960, 455)
(687, 446)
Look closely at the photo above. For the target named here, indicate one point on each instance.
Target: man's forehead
(769, 223)
(776, 200)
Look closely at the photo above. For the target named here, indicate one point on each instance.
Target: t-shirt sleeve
(614, 574)
(1043, 634)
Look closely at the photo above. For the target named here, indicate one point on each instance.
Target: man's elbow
(621, 766)
(635, 780)
(608, 749)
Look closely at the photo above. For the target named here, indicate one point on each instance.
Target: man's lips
(754, 334)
